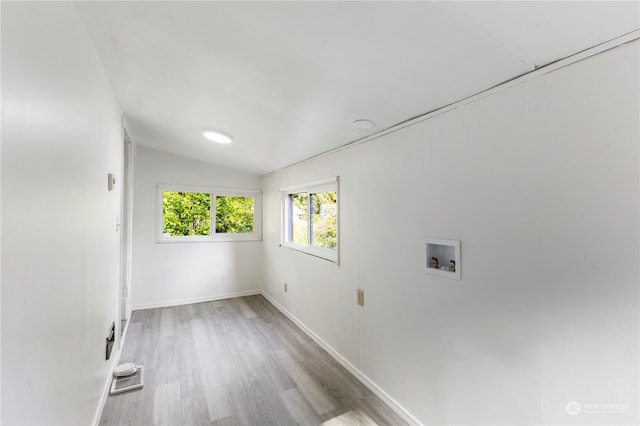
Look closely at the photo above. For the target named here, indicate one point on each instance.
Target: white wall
(0, 222)
(540, 182)
(166, 274)
(61, 136)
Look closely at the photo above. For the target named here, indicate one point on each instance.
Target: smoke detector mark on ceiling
(363, 124)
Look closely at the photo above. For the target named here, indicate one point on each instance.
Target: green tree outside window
(186, 213)
(234, 215)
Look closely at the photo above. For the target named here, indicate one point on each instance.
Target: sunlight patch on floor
(351, 418)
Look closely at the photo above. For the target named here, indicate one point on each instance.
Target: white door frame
(126, 228)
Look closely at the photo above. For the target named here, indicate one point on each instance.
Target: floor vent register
(127, 377)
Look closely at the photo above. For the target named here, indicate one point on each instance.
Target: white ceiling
(287, 79)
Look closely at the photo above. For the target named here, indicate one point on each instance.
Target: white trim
(207, 189)
(330, 184)
(126, 226)
(323, 253)
(377, 390)
(507, 84)
(0, 235)
(103, 399)
(256, 194)
(105, 391)
(195, 300)
(322, 184)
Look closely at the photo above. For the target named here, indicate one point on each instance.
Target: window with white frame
(189, 214)
(310, 218)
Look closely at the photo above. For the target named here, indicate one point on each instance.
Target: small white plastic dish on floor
(126, 369)
(126, 382)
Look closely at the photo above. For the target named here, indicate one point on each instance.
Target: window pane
(324, 215)
(186, 213)
(234, 215)
(299, 218)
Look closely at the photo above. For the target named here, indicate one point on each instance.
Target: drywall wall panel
(165, 274)
(540, 183)
(61, 136)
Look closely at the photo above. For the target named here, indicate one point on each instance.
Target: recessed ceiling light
(217, 136)
(363, 124)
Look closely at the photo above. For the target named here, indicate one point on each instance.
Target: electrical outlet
(360, 297)
(285, 287)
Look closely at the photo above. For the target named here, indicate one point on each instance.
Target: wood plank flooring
(236, 362)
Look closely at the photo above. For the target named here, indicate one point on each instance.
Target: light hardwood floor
(236, 362)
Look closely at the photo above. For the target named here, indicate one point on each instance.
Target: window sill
(209, 239)
(319, 252)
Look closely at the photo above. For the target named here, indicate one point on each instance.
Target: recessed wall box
(442, 258)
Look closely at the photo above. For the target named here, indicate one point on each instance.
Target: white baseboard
(107, 387)
(103, 400)
(397, 408)
(196, 300)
